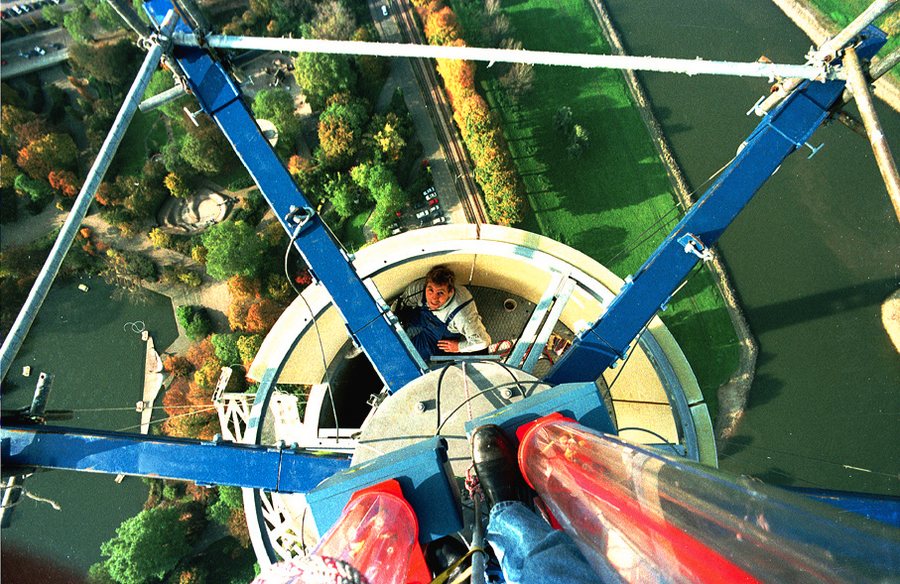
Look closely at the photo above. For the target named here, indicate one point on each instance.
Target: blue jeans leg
(530, 551)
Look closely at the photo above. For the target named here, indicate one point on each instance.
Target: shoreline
(819, 27)
(734, 393)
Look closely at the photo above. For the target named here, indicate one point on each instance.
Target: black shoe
(442, 553)
(496, 466)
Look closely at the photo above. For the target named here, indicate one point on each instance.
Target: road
(54, 41)
(431, 115)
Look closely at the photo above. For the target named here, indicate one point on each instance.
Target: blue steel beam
(206, 463)
(784, 130)
(366, 318)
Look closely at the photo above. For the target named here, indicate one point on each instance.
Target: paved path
(402, 76)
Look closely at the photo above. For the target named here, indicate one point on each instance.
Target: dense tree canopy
(343, 194)
(146, 546)
(50, 152)
(320, 75)
(162, 81)
(341, 128)
(333, 20)
(233, 248)
(113, 64)
(277, 106)
(206, 149)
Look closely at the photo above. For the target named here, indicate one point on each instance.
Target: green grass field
(603, 202)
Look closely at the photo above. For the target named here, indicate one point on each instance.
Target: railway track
(442, 116)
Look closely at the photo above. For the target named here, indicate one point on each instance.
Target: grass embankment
(842, 12)
(603, 202)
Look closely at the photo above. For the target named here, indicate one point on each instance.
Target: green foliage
(162, 81)
(248, 346)
(320, 75)
(226, 348)
(343, 194)
(99, 574)
(252, 209)
(206, 149)
(111, 64)
(53, 14)
(230, 499)
(341, 128)
(131, 264)
(38, 192)
(381, 184)
(232, 248)
(195, 321)
(146, 546)
(78, 23)
(277, 106)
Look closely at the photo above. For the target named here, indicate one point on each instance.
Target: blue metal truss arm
(366, 318)
(206, 463)
(780, 133)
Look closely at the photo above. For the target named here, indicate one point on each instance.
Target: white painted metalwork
(696, 66)
(41, 287)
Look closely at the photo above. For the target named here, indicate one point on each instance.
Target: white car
(439, 220)
(422, 214)
(384, 10)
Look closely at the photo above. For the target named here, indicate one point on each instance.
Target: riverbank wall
(818, 27)
(734, 393)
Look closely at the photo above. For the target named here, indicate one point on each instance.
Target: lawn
(615, 202)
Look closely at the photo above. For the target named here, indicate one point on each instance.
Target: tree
(277, 106)
(578, 141)
(37, 191)
(341, 128)
(65, 182)
(146, 546)
(177, 185)
(195, 321)
(562, 119)
(320, 75)
(248, 346)
(343, 194)
(232, 248)
(53, 14)
(8, 172)
(206, 149)
(389, 137)
(163, 81)
(333, 20)
(106, 62)
(78, 23)
(226, 348)
(48, 153)
(262, 315)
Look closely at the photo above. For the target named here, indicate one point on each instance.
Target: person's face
(437, 296)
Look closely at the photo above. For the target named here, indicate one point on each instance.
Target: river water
(97, 360)
(812, 257)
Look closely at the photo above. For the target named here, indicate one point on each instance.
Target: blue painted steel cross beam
(206, 463)
(780, 133)
(366, 317)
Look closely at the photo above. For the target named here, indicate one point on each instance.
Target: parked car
(397, 231)
(429, 193)
(432, 202)
(439, 220)
(422, 214)
(384, 10)
(40, 51)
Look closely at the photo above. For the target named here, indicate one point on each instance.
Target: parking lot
(11, 10)
(426, 210)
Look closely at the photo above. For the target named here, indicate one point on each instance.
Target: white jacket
(467, 321)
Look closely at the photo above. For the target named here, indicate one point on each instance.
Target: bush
(195, 321)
